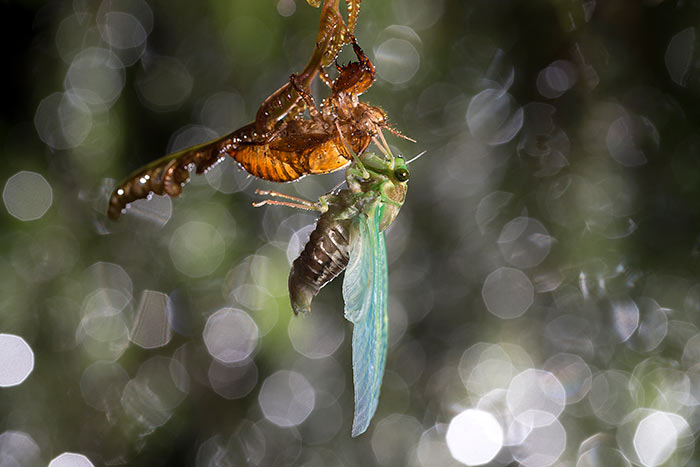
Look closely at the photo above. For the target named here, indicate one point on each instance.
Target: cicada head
(395, 191)
(388, 178)
(401, 173)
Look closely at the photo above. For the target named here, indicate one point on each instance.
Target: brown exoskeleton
(282, 144)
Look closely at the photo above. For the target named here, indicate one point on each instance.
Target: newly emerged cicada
(349, 236)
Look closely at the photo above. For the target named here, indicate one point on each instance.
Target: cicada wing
(359, 272)
(365, 294)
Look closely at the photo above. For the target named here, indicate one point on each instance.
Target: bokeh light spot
(27, 195)
(621, 144)
(650, 437)
(474, 437)
(318, 336)
(542, 447)
(656, 437)
(101, 385)
(613, 395)
(232, 381)
(164, 84)
(397, 60)
(96, 77)
(70, 459)
(679, 55)
(19, 449)
(493, 116)
(150, 398)
(508, 293)
(393, 439)
(197, 248)
(603, 458)
(573, 373)
(536, 397)
(230, 335)
(524, 242)
(625, 317)
(556, 79)
(223, 111)
(155, 209)
(286, 398)
(63, 120)
(122, 30)
(16, 360)
(286, 7)
(151, 327)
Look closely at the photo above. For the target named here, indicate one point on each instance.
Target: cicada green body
(350, 236)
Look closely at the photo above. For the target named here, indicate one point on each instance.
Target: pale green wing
(365, 294)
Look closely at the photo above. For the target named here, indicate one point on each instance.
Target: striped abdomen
(325, 255)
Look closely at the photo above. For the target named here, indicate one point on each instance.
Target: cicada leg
(333, 29)
(297, 112)
(383, 146)
(360, 166)
(285, 99)
(294, 202)
(353, 13)
(326, 78)
(305, 94)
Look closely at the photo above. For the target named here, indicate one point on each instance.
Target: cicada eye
(402, 174)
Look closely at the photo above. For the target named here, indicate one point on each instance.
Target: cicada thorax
(391, 210)
(325, 255)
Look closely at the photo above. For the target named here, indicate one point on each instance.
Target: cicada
(349, 236)
(283, 144)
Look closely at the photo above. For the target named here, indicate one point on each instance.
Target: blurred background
(545, 295)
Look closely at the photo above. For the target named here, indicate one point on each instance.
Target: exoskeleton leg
(326, 78)
(360, 166)
(306, 96)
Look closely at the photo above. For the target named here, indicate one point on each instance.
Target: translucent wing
(365, 295)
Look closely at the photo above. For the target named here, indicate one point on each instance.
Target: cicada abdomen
(325, 255)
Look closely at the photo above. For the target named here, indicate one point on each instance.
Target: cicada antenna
(416, 157)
